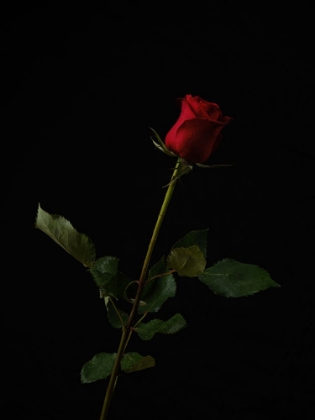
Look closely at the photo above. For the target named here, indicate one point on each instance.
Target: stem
(127, 331)
(117, 311)
(160, 275)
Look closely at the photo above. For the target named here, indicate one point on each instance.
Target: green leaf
(107, 277)
(230, 278)
(131, 362)
(195, 237)
(147, 330)
(99, 367)
(122, 283)
(158, 290)
(187, 262)
(62, 232)
(114, 319)
(104, 273)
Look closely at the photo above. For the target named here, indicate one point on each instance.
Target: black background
(81, 87)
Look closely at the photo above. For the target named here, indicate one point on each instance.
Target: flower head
(197, 132)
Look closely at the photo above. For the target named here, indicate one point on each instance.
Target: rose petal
(186, 113)
(196, 133)
(203, 109)
(195, 139)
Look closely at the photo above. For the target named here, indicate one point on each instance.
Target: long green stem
(127, 331)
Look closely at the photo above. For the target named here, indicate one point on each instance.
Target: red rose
(196, 133)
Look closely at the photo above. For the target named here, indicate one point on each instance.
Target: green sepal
(160, 145)
(230, 278)
(63, 233)
(146, 331)
(99, 367)
(132, 362)
(187, 262)
(183, 168)
(157, 290)
(219, 165)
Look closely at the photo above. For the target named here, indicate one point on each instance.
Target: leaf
(132, 362)
(158, 290)
(187, 262)
(99, 367)
(195, 237)
(112, 315)
(62, 232)
(122, 284)
(147, 330)
(230, 278)
(104, 273)
(107, 277)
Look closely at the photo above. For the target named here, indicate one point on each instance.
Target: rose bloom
(197, 132)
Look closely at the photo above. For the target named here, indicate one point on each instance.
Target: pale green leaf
(187, 262)
(195, 237)
(133, 362)
(62, 232)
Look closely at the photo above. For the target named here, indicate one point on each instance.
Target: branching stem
(126, 332)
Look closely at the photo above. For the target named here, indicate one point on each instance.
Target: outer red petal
(196, 133)
(186, 113)
(195, 139)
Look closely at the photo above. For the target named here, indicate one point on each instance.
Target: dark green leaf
(62, 232)
(195, 237)
(230, 278)
(107, 277)
(122, 283)
(132, 362)
(99, 367)
(112, 315)
(104, 273)
(147, 330)
(158, 290)
(187, 262)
